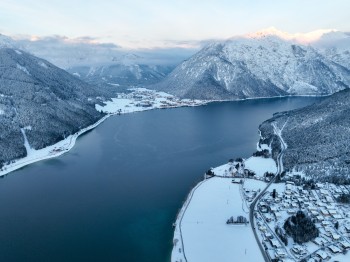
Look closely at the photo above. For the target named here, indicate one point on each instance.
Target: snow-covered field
(260, 165)
(205, 234)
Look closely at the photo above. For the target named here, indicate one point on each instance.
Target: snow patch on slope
(23, 68)
(42, 64)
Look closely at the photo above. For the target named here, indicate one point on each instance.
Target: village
(318, 201)
(142, 99)
(285, 199)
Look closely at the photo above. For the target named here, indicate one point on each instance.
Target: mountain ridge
(264, 66)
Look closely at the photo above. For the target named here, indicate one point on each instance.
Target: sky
(166, 23)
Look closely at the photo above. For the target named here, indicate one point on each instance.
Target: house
(322, 254)
(335, 236)
(334, 249)
(324, 212)
(345, 244)
(275, 243)
(268, 235)
(329, 199)
(320, 241)
(337, 216)
(347, 228)
(291, 211)
(320, 218)
(297, 249)
(280, 253)
(314, 213)
(323, 192)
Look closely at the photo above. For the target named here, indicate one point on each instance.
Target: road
(257, 199)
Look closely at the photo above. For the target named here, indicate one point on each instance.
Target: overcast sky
(167, 23)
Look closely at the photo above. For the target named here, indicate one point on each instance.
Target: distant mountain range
(49, 102)
(317, 138)
(266, 64)
(121, 75)
(101, 64)
(52, 103)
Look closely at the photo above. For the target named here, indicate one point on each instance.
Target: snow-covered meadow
(260, 165)
(205, 234)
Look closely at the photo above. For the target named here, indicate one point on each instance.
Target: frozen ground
(205, 234)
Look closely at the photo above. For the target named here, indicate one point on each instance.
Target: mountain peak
(302, 38)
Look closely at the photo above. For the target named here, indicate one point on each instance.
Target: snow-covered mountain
(335, 45)
(121, 74)
(264, 64)
(42, 98)
(103, 64)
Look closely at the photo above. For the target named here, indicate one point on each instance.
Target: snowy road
(278, 132)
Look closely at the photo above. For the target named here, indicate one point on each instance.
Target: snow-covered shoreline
(52, 151)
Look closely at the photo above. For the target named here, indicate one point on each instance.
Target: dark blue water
(115, 195)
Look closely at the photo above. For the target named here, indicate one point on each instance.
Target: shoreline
(67, 144)
(51, 151)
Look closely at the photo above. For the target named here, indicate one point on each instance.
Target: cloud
(68, 52)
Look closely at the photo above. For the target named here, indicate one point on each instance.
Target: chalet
(323, 192)
(334, 249)
(320, 241)
(291, 211)
(280, 253)
(324, 212)
(335, 236)
(314, 213)
(275, 243)
(326, 223)
(345, 244)
(320, 218)
(347, 228)
(297, 249)
(322, 254)
(329, 199)
(268, 235)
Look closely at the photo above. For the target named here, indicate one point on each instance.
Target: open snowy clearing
(260, 165)
(205, 234)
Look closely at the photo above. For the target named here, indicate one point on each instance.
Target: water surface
(115, 195)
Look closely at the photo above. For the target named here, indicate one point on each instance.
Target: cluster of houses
(330, 217)
(147, 98)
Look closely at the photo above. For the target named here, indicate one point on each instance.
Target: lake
(115, 195)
